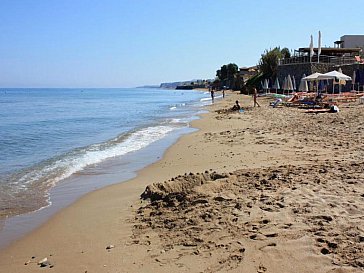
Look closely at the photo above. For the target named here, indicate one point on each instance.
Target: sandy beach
(265, 190)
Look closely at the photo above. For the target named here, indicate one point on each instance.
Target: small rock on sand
(110, 247)
(44, 262)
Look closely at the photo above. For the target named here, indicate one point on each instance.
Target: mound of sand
(179, 186)
(283, 215)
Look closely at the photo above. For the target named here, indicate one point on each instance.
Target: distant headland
(191, 84)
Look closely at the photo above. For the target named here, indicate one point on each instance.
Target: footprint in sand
(261, 269)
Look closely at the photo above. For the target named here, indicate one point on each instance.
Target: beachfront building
(245, 73)
(331, 58)
(352, 41)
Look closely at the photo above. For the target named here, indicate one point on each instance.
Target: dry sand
(267, 190)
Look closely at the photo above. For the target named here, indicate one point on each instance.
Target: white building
(352, 41)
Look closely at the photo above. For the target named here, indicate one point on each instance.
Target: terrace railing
(332, 60)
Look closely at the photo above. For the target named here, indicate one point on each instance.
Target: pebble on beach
(109, 247)
(44, 262)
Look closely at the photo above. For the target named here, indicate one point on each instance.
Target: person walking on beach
(212, 95)
(255, 94)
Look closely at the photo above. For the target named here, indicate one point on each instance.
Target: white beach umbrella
(276, 85)
(266, 85)
(334, 75)
(294, 83)
(289, 83)
(303, 85)
(312, 77)
(311, 49)
(284, 85)
(263, 83)
(319, 47)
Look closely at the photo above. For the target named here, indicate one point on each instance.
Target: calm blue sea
(48, 135)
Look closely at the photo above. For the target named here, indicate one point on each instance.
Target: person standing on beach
(212, 95)
(223, 93)
(255, 94)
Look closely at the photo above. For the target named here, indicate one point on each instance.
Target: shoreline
(76, 238)
(131, 186)
(76, 186)
(78, 146)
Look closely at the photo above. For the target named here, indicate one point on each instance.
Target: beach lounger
(317, 111)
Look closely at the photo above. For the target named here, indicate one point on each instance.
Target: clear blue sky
(123, 43)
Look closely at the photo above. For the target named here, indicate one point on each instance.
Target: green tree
(227, 74)
(269, 62)
(222, 73)
(285, 53)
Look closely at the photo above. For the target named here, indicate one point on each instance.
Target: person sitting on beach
(236, 106)
(276, 102)
(294, 98)
(318, 98)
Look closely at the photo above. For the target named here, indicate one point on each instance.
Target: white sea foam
(56, 169)
(183, 121)
(177, 120)
(209, 98)
(174, 107)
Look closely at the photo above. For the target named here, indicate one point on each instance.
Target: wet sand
(266, 190)
(90, 179)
